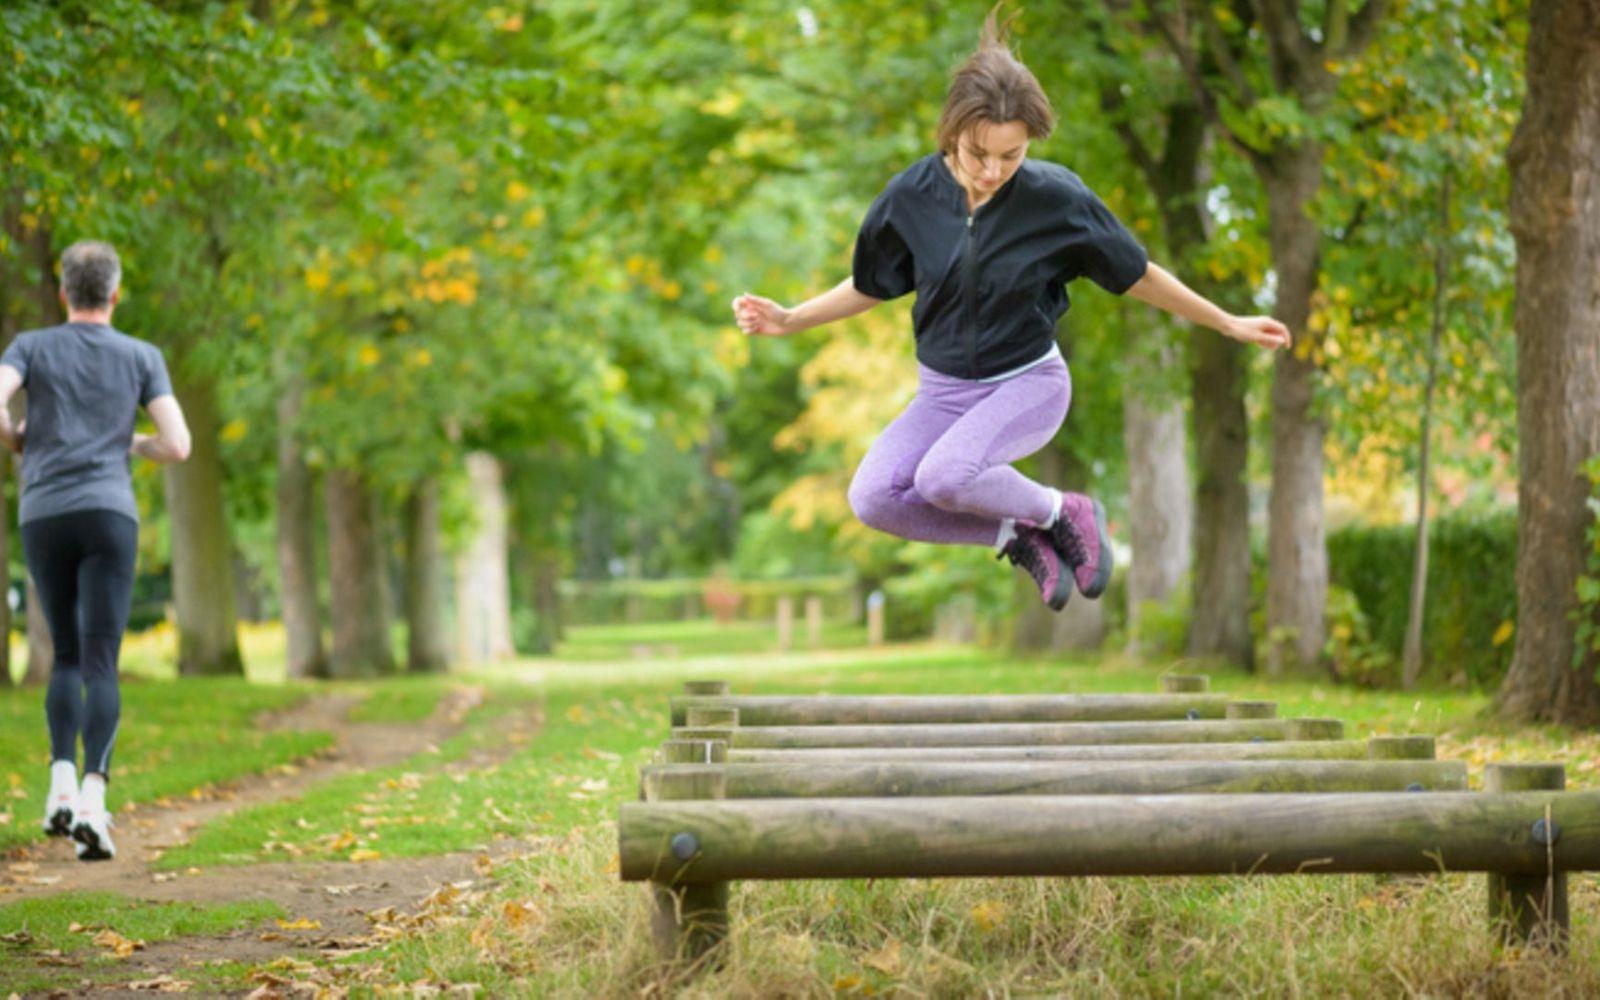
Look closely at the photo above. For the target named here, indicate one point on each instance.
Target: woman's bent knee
(944, 484)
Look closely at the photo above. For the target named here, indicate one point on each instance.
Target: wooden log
(1264, 750)
(694, 752)
(1315, 729)
(1185, 683)
(1124, 777)
(785, 623)
(689, 919)
(1400, 748)
(1109, 835)
(1251, 710)
(827, 710)
(712, 717)
(1531, 907)
(705, 688)
(1013, 733)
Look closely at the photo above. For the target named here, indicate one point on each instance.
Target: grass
(401, 699)
(62, 928)
(175, 739)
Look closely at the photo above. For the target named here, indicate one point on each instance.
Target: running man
(80, 525)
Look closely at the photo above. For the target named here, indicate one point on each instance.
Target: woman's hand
(1261, 330)
(759, 316)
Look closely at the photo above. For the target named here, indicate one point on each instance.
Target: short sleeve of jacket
(1104, 250)
(17, 355)
(155, 382)
(882, 267)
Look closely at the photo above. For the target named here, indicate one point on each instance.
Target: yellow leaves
(517, 191)
(343, 841)
(133, 108)
(1503, 634)
(119, 946)
(533, 218)
(365, 854)
(420, 358)
(578, 714)
(450, 278)
(234, 430)
(988, 915)
(368, 355)
(713, 254)
(300, 924)
(511, 24)
(723, 104)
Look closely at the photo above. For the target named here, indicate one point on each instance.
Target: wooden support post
(1185, 683)
(688, 920)
(875, 618)
(814, 621)
(785, 623)
(1530, 908)
(694, 752)
(705, 688)
(1252, 710)
(1400, 748)
(1316, 729)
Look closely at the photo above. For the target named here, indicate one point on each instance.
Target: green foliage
(1353, 655)
(1586, 641)
(1471, 600)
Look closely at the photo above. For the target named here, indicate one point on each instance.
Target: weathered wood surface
(1400, 748)
(828, 710)
(705, 688)
(1107, 835)
(1263, 750)
(1529, 907)
(885, 780)
(694, 752)
(1019, 733)
(688, 921)
(1185, 683)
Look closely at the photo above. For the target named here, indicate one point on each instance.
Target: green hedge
(1472, 591)
(612, 602)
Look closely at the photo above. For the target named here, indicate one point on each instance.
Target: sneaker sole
(59, 824)
(1063, 592)
(84, 834)
(1102, 574)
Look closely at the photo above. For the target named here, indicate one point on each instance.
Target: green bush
(1472, 592)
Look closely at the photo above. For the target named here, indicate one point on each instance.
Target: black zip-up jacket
(990, 285)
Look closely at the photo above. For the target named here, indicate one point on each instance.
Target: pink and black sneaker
(1032, 551)
(1080, 537)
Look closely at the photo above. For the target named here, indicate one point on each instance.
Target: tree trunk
(1297, 552)
(483, 587)
(1159, 501)
(1555, 217)
(355, 567)
(202, 552)
(297, 550)
(426, 647)
(1220, 625)
(1411, 661)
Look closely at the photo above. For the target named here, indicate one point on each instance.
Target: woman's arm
(765, 317)
(10, 382)
(1159, 288)
(170, 442)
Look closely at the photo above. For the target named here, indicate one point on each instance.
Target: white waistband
(1053, 352)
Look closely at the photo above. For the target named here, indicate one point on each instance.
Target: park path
(330, 903)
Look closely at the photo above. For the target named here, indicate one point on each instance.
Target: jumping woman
(989, 240)
(80, 525)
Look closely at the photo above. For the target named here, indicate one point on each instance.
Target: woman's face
(990, 152)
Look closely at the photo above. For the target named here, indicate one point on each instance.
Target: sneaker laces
(1022, 554)
(1071, 542)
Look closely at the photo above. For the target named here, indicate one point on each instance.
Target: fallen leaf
(162, 984)
(365, 854)
(988, 915)
(119, 946)
(17, 937)
(302, 924)
(886, 959)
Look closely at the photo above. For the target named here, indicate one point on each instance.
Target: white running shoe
(59, 813)
(92, 831)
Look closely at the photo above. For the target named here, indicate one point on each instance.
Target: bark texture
(1555, 217)
(1160, 508)
(202, 551)
(296, 541)
(355, 567)
(427, 650)
(483, 587)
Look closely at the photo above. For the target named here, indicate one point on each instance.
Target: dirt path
(336, 897)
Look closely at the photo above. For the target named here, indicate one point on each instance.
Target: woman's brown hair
(993, 86)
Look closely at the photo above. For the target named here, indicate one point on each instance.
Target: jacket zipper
(969, 275)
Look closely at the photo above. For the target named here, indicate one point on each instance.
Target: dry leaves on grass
(118, 945)
(887, 959)
(162, 984)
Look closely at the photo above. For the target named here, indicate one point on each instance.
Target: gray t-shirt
(85, 385)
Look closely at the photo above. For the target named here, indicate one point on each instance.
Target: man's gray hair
(90, 274)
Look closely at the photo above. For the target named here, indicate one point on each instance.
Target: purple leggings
(941, 472)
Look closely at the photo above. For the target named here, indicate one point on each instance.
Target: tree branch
(1244, 95)
(1363, 27)
(1172, 33)
(1291, 50)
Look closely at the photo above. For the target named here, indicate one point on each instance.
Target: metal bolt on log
(1531, 908)
(689, 919)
